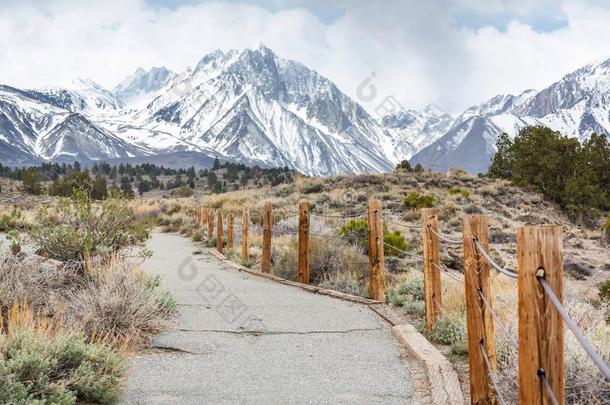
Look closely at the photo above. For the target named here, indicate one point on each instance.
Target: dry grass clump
(119, 302)
(111, 299)
(336, 265)
(42, 282)
(584, 382)
(146, 210)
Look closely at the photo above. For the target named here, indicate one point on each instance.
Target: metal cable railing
(443, 237)
(362, 214)
(547, 387)
(401, 224)
(338, 237)
(599, 362)
(494, 383)
(446, 272)
(404, 251)
(492, 263)
(497, 320)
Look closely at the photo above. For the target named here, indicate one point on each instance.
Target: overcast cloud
(451, 53)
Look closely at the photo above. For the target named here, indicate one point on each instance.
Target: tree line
(573, 174)
(101, 179)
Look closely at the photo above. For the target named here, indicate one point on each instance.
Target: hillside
(507, 206)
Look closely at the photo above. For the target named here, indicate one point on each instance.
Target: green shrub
(15, 238)
(409, 295)
(183, 192)
(77, 229)
(12, 220)
(36, 368)
(606, 231)
(356, 228)
(417, 200)
(394, 243)
(449, 331)
(457, 190)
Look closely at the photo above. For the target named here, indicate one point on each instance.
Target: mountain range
(253, 107)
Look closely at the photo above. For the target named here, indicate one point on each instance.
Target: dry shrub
(41, 282)
(121, 303)
(145, 211)
(333, 264)
(112, 298)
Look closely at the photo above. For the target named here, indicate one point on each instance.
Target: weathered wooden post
(266, 259)
(219, 231)
(210, 223)
(376, 262)
(479, 319)
(303, 276)
(230, 230)
(540, 256)
(245, 221)
(432, 263)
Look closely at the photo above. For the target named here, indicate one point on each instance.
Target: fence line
(537, 284)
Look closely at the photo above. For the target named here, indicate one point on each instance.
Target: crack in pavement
(271, 333)
(172, 349)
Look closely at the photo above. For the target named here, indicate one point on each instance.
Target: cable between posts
(547, 387)
(391, 221)
(491, 374)
(446, 272)
(403, 251)
(498, 321)
(493, 264)
(359, 215)
(599, 362)
(443, 237)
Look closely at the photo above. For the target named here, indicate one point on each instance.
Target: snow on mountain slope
(576, 106)
(76, 137)
(254, 107)
(138, 88)
(413, 130)
(35, 126)
(251, 105)
(83, 95)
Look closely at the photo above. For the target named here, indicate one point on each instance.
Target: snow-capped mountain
(254, 107)
(50, 125)
(142, 84)
(412, 130)
(576, 106)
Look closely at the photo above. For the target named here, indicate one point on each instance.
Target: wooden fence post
(376, 262)
(432, 263)
(230, 230)
(266, 259)
(540, 255)
(479, 319)
(210, 223)
(303, 276)
(245, 221)
(219, 231)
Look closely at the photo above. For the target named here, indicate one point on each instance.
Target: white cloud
(417, 49)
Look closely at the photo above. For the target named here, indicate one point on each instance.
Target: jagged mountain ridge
(577, 105)
(254, 107)
(245, 106)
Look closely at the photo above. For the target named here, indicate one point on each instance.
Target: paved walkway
(241, 339)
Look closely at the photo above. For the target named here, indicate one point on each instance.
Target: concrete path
(241, 339)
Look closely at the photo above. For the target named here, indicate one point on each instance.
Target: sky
(449, 53)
